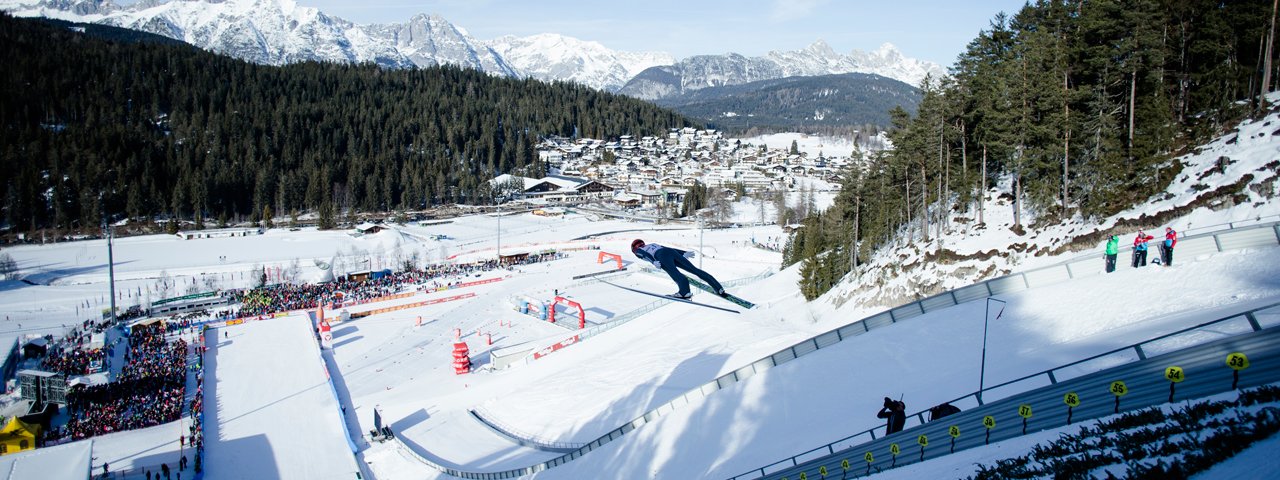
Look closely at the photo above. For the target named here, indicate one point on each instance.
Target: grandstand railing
(1234, 324)
(1256, 236)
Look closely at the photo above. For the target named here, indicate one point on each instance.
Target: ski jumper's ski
(664, 297)
(702, 286)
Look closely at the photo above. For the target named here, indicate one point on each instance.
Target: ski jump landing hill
(1246, 238)
(270, 407)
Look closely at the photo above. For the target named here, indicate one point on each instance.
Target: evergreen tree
(168, 129)
(1076, 106)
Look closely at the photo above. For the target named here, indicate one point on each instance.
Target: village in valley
(654, 173)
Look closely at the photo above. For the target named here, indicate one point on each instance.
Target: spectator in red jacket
(1140, 249)
(1166, 248)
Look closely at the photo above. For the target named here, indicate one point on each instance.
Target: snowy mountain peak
(817, 59)
(550, 56)
(820, 48)
(277, 32)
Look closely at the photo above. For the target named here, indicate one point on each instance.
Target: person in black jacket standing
(896, 412)
(669, 259)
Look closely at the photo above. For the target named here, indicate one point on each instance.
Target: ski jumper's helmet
(637, 244)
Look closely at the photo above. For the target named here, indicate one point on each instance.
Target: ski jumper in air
(669, 259)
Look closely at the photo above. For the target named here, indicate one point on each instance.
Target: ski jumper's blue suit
(669, 259)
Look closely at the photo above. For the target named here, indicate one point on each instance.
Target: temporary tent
(17, 436)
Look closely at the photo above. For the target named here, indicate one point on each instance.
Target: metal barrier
(1267, 235)
(523, 439)
(1206, 368)
(1082, 266)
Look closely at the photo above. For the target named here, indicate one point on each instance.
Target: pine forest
(96, 127)
(1077, 107)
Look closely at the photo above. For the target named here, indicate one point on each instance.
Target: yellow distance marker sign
(868, 457)
(1024, 410)
(1119, 389)
(954, 431)
(989, 422)
(1071, 399)
(923, 441)
(893, 448)
(1174, 374)
(1237, 361)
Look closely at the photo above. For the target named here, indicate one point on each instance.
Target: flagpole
(982, 376)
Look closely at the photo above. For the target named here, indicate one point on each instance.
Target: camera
(888, 402)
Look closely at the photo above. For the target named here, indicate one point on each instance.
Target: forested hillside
(1074, 108)
(93, 127)
(826, 104)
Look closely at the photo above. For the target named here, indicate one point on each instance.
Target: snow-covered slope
(271, 32)
(1233, 178)
(552, 57)
(391, 361)
(704, 71)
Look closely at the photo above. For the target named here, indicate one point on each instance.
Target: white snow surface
(267, 379)
(271, 412)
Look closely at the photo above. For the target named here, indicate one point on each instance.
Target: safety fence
(1257, 236)
(1188, 230)
(521, 438)
(1238, 324)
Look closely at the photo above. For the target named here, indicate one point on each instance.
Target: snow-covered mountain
(273, 32)
(552, 57)
(886, 61)
(428, 40)
(705, 71)
(277, 32)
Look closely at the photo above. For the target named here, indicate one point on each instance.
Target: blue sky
(933, 30)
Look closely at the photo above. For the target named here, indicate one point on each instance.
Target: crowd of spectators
(149, 390)
(195, 439)
(150, 356)
(71, 355)
(285, 297)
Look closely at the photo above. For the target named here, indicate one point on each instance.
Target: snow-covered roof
(70, 461)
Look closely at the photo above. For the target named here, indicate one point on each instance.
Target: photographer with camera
(896, 412)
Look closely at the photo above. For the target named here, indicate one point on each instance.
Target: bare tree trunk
(944, 157)
(857, 217)
(1133, 94)
(1266, 62)
(1066, 143)
(907, 171)
(945, 192)
(964, 157)
(1017, 198)
(982, 193)
(924, 203)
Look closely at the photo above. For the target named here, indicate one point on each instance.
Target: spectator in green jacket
(1113, 247)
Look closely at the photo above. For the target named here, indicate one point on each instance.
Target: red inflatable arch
(582, 315)
(603, 255)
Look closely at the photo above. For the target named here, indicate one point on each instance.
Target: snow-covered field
(271, 409)
(578, 393)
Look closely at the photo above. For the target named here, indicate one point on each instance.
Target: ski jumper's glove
(688, 255)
